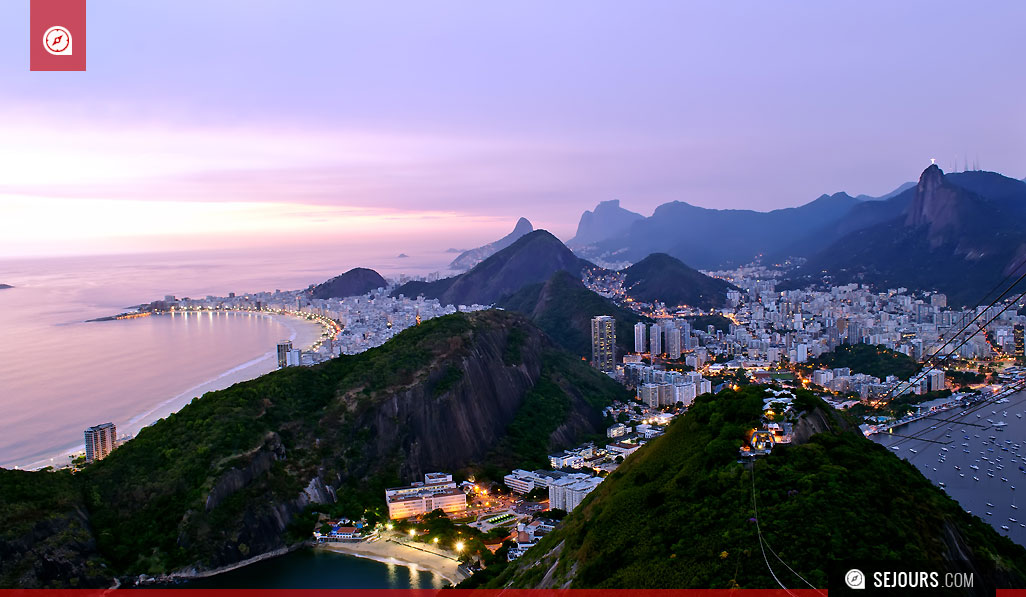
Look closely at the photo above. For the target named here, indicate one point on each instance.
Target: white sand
(423, 557)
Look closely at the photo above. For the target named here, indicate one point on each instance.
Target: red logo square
(57, 35)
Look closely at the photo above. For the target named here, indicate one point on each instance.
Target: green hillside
(563, 308)
(679, 513)
(235, 473)
(877, 361)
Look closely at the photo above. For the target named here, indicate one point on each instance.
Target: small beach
(421, 557)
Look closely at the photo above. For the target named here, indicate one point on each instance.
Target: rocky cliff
(236, 473)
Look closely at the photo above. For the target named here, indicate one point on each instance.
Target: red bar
(57, 35)
(415, 593)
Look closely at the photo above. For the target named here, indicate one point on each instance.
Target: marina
(990, 449)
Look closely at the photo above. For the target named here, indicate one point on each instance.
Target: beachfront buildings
(99, 441)
(603, 342)
(288, 356)
(437, 492)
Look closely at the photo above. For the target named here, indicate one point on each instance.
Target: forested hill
(679, 513)
(236, 473)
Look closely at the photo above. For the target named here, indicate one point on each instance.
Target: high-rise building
(1017, 337)
(656, 339)
(603, 342)
(639, 337)
(99, 441)
(284, 348)
(672, 334)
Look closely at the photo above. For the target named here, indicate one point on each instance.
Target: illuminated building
(603, 342)
(99, 441)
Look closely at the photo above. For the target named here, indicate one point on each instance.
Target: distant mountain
(946, 237)
(697, 516)
(607, 221)
(660, 277)
(469, 259)
(714, 238)
(901, 189)
(356, 282)
(237, 473)
(563, 307)
(5, 286)
(532, 259)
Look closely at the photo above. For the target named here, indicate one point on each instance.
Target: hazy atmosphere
(233, 121)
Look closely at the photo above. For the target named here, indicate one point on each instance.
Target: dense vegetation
(877, 361)
(563, 308)
(666, 279)
(679, 513)
(702, 322)
(211, 484)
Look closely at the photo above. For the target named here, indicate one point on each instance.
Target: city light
(388, 526)
(459, 546)
(412, 533)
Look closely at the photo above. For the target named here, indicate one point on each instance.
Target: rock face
(607, 221)
(530, 260)
(356, 282)
(469, 259)
(231, 476)
(958, 234)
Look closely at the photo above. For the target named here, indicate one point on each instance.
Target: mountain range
(468, 259)
(238, 472)
(959, 233)
(954, 233)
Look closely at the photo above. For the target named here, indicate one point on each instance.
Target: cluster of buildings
(841, 380)
(658, 387)
(354, 324)
(437, 492)
(775, 426)
(770, 329)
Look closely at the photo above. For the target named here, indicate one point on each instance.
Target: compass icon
(57, 41)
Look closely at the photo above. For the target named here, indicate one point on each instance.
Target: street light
(412, 532)
(459, 546)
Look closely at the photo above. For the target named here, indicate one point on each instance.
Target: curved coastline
(303, 332)
(392, 552)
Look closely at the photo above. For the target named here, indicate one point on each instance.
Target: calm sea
(315, 569)
(947, 451)
(59, 375)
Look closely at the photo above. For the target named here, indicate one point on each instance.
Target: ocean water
(940, 455)
(59, 375)
(316, 569)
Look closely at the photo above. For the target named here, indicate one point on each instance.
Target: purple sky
(475, 113)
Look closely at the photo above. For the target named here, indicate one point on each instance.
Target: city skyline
(472, 116)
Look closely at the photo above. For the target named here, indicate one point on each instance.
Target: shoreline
(388, 551)
(303, 332)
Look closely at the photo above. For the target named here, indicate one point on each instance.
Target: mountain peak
(469, 259)
(934, 202)
(607, 221)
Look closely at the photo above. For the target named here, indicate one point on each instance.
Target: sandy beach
(421, 557)
(302, 332)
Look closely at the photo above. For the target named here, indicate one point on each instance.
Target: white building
(639, 337)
